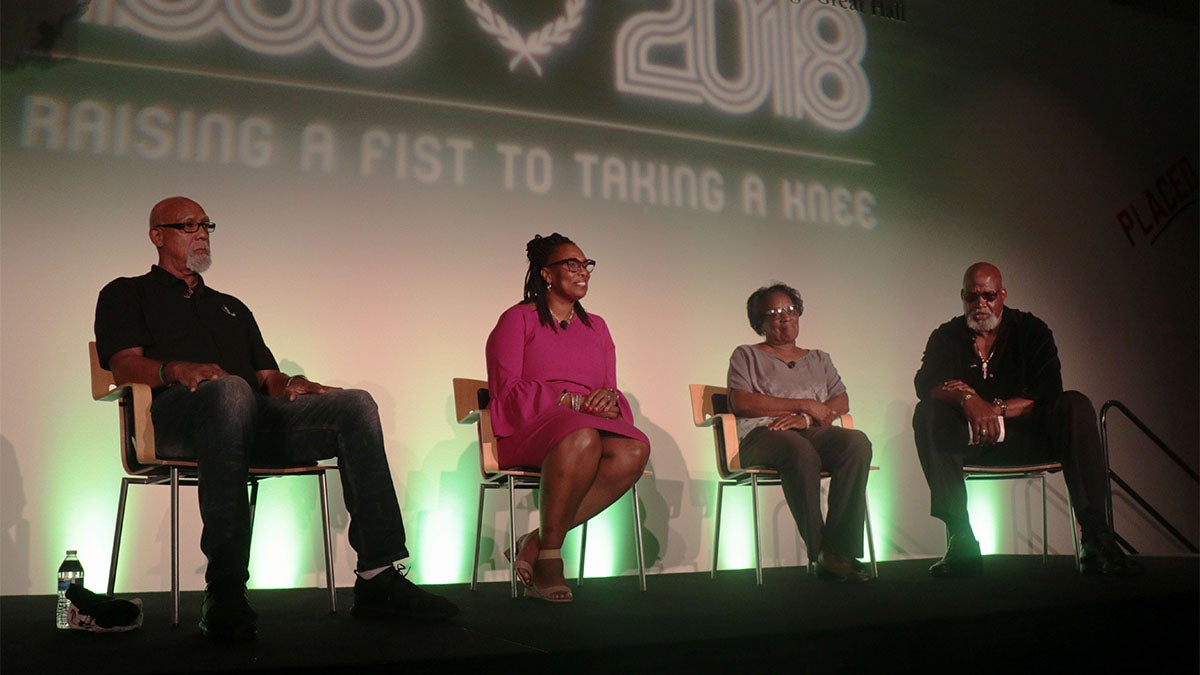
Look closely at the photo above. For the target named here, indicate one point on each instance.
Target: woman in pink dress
(555, 407)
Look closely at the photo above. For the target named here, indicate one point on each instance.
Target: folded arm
(750, 404)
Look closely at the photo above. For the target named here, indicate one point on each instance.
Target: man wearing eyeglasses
(220, 399)
(991, 393)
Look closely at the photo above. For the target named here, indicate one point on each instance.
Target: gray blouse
(753, 370)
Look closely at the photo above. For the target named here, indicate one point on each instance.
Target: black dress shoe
(390, 595)
(962, 559)
(1102, 555)
(840, 569)
(226, 613)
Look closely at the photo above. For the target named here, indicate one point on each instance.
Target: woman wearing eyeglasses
(555, 406)
(786, 399)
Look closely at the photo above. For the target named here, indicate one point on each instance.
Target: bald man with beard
(991, 393)
(220, 400)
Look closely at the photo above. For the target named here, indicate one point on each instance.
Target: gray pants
(800, 456)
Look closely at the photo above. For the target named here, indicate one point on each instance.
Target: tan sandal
(523, 569)
(549, 593)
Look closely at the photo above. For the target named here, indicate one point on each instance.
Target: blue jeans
(226, 425)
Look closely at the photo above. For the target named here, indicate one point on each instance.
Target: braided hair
(538, 250)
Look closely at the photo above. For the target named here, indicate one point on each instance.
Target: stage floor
(1020, 613)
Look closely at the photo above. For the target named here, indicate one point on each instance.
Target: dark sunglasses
(972, 297)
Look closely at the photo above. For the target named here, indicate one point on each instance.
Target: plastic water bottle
(69, 572)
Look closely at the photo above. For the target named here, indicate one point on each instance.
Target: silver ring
(983, 432)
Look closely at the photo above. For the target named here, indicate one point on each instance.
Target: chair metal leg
(112, 565)
(717, 535)
(1074, 532)
(512, 536)
(870, 539)
(757, 546)
(253, 501)
(174, 546)
(637, 530)
(1045, 544)
(329, 582)
(478, 536)
(583, 550)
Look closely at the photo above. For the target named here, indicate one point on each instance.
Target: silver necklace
(562, 323)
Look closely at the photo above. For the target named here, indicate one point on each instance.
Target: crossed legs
(581, 476)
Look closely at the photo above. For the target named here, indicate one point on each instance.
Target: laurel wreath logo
(538, 43)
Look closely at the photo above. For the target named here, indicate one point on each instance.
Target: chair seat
(764, 471)
(1013, 469)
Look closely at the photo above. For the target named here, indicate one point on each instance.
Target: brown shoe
(833, 567)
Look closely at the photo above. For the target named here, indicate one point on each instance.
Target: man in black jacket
(991, 392)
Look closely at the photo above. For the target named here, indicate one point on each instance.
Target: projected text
(806, 57)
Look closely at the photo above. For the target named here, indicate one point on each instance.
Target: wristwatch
(1003, 406)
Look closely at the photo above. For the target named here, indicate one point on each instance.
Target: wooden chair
(145, 467)
(1028, 472)
(471, 398)
(710, 408)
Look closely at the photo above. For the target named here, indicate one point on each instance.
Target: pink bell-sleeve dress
(530, 366)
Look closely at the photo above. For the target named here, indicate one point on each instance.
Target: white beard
(985, 326)
(199, 262)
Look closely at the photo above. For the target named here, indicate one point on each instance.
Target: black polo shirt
(170, 322)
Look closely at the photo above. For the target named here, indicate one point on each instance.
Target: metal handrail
(1191, 546)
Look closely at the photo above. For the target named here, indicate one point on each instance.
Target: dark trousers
(800, 456)
(1063, 430)
(225, 425)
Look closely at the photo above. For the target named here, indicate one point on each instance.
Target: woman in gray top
(786, 399)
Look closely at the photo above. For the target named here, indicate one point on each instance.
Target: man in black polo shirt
(991, 392)
(220, 399)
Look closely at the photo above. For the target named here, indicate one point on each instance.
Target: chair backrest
(471, 398)
(710, 408)
(137, 430)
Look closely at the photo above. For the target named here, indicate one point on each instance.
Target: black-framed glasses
(777, 313)
(191, 228)
(575, 264)
(971, 297)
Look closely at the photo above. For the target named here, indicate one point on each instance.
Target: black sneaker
(105, 610)
(226, 613)
(390, 595)
(1102, 555)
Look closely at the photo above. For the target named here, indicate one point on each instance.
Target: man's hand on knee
(190, 374)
